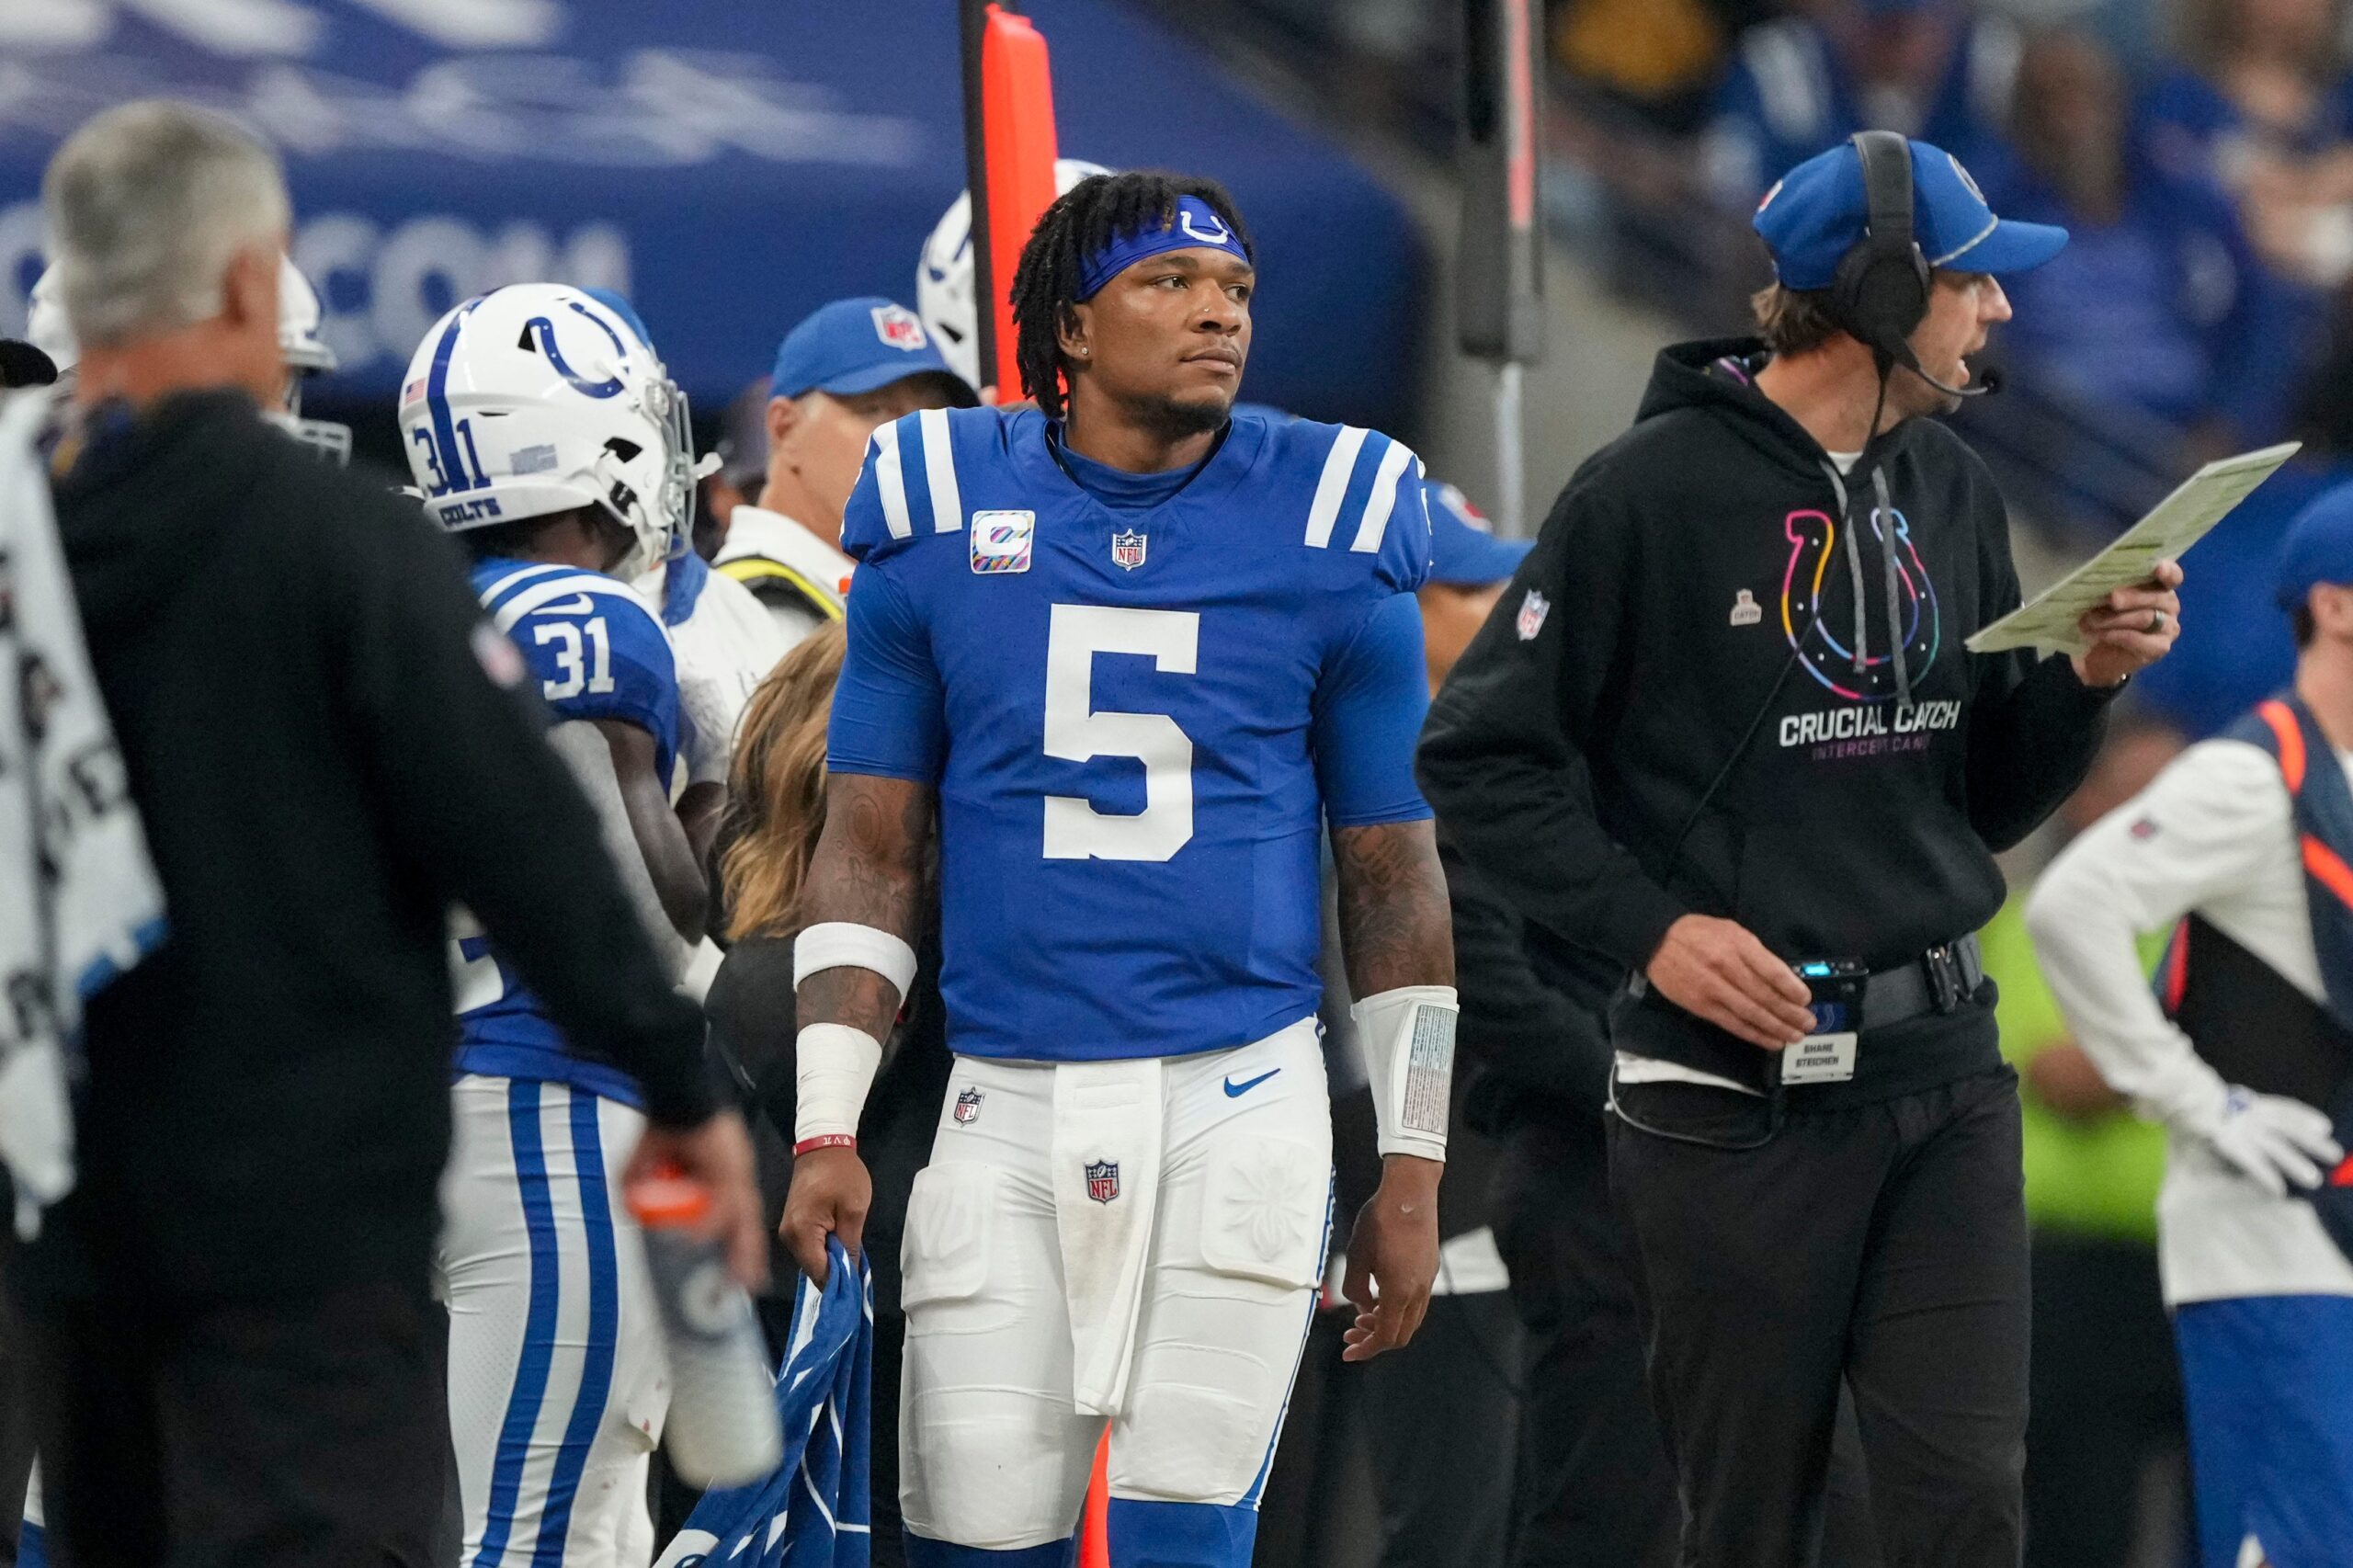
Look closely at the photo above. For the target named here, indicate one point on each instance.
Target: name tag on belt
(1820, 1059)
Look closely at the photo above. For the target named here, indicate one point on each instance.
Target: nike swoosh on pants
(1235, 1091)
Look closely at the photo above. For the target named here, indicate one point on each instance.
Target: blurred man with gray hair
(230, 1318)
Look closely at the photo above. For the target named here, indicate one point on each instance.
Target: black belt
(1938, 981)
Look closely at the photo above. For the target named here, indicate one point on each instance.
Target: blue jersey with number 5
(1139, 719)
(596, 652)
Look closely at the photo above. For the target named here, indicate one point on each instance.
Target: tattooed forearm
(1395, 926)
(868, 870)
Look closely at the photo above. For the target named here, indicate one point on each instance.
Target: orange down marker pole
(1017, 127)
(1095, 1524)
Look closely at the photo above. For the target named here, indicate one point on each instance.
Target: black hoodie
(1690, 611)
(309, 708)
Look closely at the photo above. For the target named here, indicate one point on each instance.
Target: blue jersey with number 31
(1138, 720)
(596, 653)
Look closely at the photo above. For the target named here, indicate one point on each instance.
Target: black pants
(1884, 1242)
(295, 1433)
(15, 1401)
(1594, 1489)
(1438, 1428)
(2107, 1398)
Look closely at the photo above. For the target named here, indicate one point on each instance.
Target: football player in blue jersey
(543, 433)
(1135, 652)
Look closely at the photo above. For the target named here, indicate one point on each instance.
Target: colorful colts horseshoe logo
(1813, 545)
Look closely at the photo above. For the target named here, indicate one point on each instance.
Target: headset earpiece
(1881, 290)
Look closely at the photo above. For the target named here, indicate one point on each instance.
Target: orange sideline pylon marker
(1095, 1524)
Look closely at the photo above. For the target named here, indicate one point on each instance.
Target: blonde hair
(776, 791)
(1793, 321)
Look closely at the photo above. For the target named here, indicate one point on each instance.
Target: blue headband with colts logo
(1197, 224)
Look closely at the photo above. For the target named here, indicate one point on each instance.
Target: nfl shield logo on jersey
(1103, 1180)
(1001, 540)
(899, 327)
(1532, 611)
(1127, 551)
(968, 1107)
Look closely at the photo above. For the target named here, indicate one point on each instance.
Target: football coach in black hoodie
(330, 747)
(1723, 730)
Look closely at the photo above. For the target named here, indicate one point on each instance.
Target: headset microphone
(1988, 382)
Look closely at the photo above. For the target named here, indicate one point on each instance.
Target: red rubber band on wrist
(825, 1141)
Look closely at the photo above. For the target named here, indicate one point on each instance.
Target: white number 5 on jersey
(1075, 732)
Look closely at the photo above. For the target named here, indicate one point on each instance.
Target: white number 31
(1075, 732)
(577, 672)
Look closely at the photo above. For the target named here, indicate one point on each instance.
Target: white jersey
(725, 647)
(799, 577)
(2215, 834)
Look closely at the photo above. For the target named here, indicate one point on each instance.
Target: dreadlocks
(1088, 218)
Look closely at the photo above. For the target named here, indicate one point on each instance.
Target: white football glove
(2274, 1142)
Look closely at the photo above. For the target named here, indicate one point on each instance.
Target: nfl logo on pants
(1103, 1180)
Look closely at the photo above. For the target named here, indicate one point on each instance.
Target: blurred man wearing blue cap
(1469, 567)
(2242, 847)
(1723, 731)
(848, 368)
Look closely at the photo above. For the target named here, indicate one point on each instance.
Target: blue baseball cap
(1464, 551)
(855, 345)
(1815, 213)
(2318, 547)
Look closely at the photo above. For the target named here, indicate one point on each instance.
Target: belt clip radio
(1836, 988)
(1826, 1055)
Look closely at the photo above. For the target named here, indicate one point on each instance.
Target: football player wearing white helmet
(544, 433)
(846, 369)
(944, 275)
(307, 354)
(724, 642)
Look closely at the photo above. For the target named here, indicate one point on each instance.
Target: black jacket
(752, 1009)
(1689, 614)
(1533, 1043)
(302, 684)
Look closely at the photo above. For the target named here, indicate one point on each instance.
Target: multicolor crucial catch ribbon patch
(1001, 540)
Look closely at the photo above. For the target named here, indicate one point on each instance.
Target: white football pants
(558, 1381)
(1148, 1233)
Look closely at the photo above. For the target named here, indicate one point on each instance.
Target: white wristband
(843, 944)
(834, 1066)
(1407, 1038)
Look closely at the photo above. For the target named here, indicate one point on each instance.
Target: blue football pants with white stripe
(2268, 1385)
(1233, 1187)
(557, 1381)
